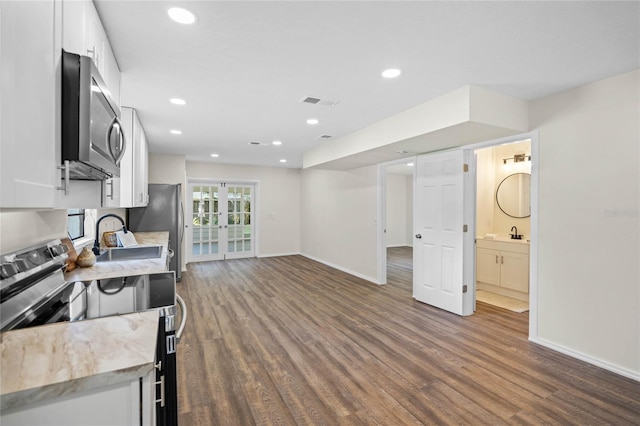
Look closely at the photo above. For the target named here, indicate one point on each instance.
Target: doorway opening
(396, 220)
(503, 225)
(399, 221)
(468, 288)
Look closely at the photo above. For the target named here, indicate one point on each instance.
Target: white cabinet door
(488, 266)
(133, 167)
(515, 271)
(73, 26)
(28, 105)
(84, 34)
(141, 171)
(118, 404)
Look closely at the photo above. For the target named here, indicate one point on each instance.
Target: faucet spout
(515, 235)
(96, 243)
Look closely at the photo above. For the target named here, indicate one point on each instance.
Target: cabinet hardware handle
(158, 366)
(496, 258)
(110, 183)
(418, 236)
(502, 259)
(161, 383)
(65, 179)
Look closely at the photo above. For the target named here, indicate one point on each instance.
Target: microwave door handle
(121, 137)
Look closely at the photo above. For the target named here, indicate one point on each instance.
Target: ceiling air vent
(314, 100)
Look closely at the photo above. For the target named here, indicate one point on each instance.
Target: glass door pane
(205, 221)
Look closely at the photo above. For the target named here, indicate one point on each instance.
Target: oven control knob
(58, 249)
(21, 264)
(8, 270)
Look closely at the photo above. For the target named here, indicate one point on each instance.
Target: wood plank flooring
(289, 341)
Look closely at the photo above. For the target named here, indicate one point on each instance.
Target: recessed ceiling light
(284, 160)
(312, 121)
(277, 143)
(176, 132)
(410, 164)
(181, 16)
(215, 155)
(391, 73)
(177, 101)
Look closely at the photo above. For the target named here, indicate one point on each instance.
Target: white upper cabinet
(32, 35)
(84, 34)
(134, 169)
(28, 175)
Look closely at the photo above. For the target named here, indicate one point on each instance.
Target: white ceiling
(245, 65)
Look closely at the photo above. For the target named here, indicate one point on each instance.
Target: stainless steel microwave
(93, 140)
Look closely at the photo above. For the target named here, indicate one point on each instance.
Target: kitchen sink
(118, 254)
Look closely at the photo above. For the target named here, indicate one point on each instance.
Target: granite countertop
(104, 270)
(54, 360)
(49, 361)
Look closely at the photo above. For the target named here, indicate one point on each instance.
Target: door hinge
(464, 288)
(465, 228)
(465, 167)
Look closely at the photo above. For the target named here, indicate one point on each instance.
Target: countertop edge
(29, 397)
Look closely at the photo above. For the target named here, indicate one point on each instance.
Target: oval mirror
(513, 195)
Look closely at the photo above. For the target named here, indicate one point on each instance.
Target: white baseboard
(340, 268)
(276, 255)
(635, 375)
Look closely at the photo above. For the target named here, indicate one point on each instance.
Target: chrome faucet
(96, 243)
(515, 235)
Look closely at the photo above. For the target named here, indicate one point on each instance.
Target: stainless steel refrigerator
(165, 212)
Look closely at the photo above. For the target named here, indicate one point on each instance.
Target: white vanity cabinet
(502, 266)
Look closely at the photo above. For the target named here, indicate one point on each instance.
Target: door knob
(418, 236)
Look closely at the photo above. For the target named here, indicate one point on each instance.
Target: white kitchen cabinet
(503, 266)
(111, 193)
(30, 142)
(124, 403)
(28, 103)
(134, 170)
(84, 34)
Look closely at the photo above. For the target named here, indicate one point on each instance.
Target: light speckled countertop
(104, 270)
(53, 360)
(58, 359)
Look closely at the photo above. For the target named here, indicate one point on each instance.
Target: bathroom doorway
(503, 225)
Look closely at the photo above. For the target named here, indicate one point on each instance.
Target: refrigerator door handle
(183, 316)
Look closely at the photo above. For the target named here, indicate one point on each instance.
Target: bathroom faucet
(515, 235)
(96, 243)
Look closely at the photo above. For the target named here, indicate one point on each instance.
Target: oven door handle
(183, 316)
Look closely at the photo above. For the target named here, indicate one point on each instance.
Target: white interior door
(438, 240)
(222, 221)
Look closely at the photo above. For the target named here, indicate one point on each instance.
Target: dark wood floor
(289, 341)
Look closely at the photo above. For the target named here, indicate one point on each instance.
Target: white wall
(278, 198)
(20, 229)
(396, 224)
(589, 221)
(339, 219)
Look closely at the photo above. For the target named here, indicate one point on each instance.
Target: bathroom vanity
(502, 267)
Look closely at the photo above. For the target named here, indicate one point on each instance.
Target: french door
(221, 221)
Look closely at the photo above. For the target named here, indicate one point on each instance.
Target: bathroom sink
(118, 254)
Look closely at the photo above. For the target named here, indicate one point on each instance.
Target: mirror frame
(498, 190)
